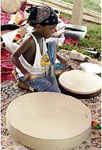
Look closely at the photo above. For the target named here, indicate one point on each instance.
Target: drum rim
(88, 111)
(77, 91)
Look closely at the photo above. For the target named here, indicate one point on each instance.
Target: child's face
(47, 30)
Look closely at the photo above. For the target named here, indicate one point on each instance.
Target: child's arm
(15, 58)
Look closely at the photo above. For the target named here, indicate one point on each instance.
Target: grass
(93, 37)
(89, 4)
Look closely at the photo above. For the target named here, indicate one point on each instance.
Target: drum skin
(91, 68)
(48, 121)
(80, 82)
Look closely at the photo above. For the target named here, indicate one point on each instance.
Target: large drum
(80, 82)
(48, 121)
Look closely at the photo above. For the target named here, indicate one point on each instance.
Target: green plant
(66, 16)
(89, 4)
(93, 37)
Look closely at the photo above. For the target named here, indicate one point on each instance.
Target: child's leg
(43, 84)
(54, 85)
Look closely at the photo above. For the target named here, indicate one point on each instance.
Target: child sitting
(34, 62)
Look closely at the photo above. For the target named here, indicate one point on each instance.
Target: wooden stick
(77, 12)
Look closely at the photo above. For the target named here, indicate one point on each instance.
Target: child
(34, 62)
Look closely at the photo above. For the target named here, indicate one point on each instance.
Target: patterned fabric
(5, 17)
(43, 15)
(43, 84)
(6, 66)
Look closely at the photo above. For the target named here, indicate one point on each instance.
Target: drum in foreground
(48, 121)
(80, 82)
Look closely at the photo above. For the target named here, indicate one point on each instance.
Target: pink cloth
(5, 17)
(65, 20)
(69, 41)
(6, 66)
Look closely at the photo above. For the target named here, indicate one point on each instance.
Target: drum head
(53, 119)
(91, 68)
(80, 82)
(11, 6)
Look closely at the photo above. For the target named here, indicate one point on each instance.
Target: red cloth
(65, 20)
(5, 17)
(68, 41)
(6, 65)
